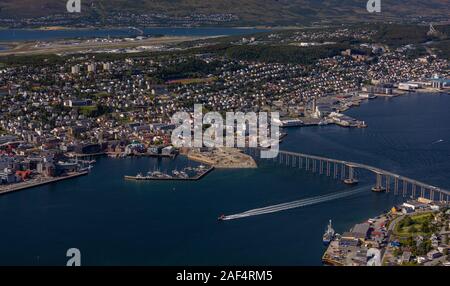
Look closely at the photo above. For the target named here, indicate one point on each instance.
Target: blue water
(45, 35)
(114, 222)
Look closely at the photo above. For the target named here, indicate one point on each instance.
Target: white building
(91, 68)
(75, 69)
(107, 66)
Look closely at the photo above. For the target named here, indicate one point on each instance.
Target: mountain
(263, 12)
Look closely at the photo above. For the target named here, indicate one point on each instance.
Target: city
(88, 119)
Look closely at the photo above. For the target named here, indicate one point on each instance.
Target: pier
(345, 171)
(153, 178)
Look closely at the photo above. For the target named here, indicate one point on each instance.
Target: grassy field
(414, 225)
(192, 80)
(101, 94)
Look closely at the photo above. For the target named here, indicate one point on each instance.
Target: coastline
(38, 182)
(146, 201)
(424, 91)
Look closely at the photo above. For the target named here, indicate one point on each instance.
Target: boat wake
(437, 142)
(296, 204)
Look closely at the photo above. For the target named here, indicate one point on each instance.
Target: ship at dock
(329, 234)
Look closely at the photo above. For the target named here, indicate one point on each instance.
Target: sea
(117, 222)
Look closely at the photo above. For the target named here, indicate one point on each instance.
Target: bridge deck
(369, 168)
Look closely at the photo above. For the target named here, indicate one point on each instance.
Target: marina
(187, 174)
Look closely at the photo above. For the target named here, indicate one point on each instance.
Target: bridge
(385, 181)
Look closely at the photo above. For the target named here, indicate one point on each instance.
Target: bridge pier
(379, 184)
(395, 186)
(343, 172)
(351, 180)
(405, 188)
(338, 169)
(388, 183)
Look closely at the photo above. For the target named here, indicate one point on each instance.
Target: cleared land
(223, 158)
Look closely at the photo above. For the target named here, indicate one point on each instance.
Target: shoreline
(41, 182)
(399, 93)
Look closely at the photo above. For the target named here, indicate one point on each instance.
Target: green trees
(412, 229)
(424, 247)
(407, 221)
(426, 227)
(284, 54)
(190, 68)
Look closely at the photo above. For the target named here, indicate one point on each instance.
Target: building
(7, 176)
(414, 205)
(75, 69)
(358, 232)
(168, 150)
(107, 66)
(322, 111)
(348, 242)
(91, 68)
(408, 86)
(377, 89)
(154, 150)
(433, 254)
(78, 103)
(406, 257)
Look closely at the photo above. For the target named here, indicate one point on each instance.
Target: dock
(138, 155)
(37, 183)
(147, 178)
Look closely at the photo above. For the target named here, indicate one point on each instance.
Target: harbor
(187, 174)
(151, 210)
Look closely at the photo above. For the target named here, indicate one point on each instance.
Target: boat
(86, 169)
(351, 181)
(221, 218)
(183, 175)
(362, 124)
(328, 235)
